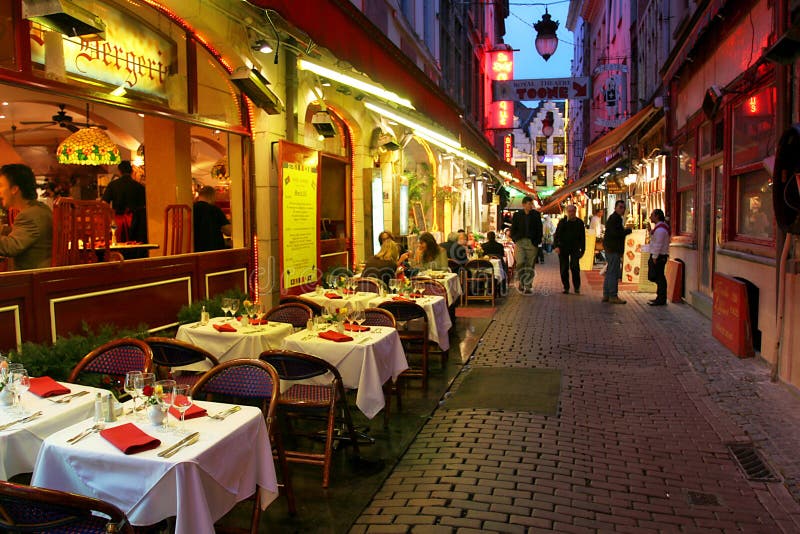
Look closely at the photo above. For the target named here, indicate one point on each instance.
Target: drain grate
(751, 462)
(697, 498)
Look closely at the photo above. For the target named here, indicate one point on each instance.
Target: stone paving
(649, 403)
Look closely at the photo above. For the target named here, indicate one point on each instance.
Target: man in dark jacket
(614, 244)
(492, 247)
(526, 231)
(569, 241)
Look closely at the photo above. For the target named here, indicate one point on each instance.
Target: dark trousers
(570, 261)
(657, 267)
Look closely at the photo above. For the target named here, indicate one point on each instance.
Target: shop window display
(686, 186)
(687, 212)
(756, 216)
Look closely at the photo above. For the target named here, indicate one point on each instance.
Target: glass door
(710, 222)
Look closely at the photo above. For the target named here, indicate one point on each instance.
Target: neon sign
(508, 147)
(501, 67)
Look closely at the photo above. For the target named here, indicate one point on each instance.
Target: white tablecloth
(361, 298)
(198, 485)
(497, 266)
(246, 342)
(439, 321)
(451, 283)
(364, 365)
(20, 444)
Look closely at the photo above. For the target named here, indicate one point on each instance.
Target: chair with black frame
(454, 266)
(293, 313)
(369, 285)
(115, 359)
(435, 288)
(302, 398)
(478, 282)
(316, 309)
(502, 286)
(169, 353)
(30, 509)
(251, 381)
(379, 317)
(412, 325)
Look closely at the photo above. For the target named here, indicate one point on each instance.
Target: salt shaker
(98, 408)
(110, 415)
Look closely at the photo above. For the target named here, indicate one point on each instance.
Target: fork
(222, 415)
(96, 428)
(66, 399)
(23, 420)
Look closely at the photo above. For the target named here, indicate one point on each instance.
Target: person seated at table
(455, 247)
(492, 247)
(209, 222)
(429, 255)
(383, 265)
(30, 240)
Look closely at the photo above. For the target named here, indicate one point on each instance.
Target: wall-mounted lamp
(540, 154)
(263, 46)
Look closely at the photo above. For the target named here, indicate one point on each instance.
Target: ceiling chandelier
(88, 146)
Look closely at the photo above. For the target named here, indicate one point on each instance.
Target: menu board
(632, 257)
(298, 216)
(730, 318)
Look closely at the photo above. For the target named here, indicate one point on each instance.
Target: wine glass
(421, 289)
(22, 383)
(130, 386)
(144, 381)
(182, 401)
(165, 393)
(360, 317)
(353, 284)
(226, 307)
(234, 306)
(393, 284)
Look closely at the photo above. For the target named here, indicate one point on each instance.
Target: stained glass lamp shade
(88, 146)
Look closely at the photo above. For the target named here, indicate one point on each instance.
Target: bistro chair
(316, 309)
(81, 231)
(301, 397)
(436, 288)
(379, 317)
(177, 229)
(454, 266)
(247, 380)
(30, 509)
(478, 282)
(114, 359)
(169, 353)
(504, 285)
(294, 313)
(369, 285)
(412, 325)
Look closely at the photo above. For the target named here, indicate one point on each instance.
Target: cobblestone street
(649, 404)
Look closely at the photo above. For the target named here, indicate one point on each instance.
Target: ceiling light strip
(455, 151)
(361, 85)
(417, 127)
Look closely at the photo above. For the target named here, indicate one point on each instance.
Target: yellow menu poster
(299, 223)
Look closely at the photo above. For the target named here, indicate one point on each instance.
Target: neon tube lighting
(335, 75)
(418, 128)
(456, 152)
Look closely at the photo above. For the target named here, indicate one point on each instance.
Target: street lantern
(546, 38)
(547, 124)
(540, 154)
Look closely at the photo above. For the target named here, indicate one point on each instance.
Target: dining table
(435, 306)
(20, 443)
(365, 363)
(497, 268)
(450, 281)
(198, 485)
(243, 342)
(330, 299)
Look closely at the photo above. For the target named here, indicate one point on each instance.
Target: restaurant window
(687, 162)
(541, 144)
(541, 176)
(558, 145)
(754, 128)
(522, 166)
(754, 202)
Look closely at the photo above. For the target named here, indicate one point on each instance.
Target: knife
(23, 420)
(165, 453)
(190, 440)
(65, 400)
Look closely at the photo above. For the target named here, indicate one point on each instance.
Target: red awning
(343, 29)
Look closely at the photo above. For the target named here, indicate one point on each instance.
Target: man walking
(526, 231)
(570, 242)
(659, 254)
(614, 243)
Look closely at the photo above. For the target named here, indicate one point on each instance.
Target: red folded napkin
(416, 295)
(44, 386)
(355, 328)
(224, 327)
(335, 336)
(129, 438)
(401, 299)
(349, 292)
(193, 411)
(333, 295)
(257, 322)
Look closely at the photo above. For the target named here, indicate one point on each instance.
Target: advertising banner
(299, 228)
(632, 257)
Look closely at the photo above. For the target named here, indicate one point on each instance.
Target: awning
(370, 51)
(598, 167)
(616, 136)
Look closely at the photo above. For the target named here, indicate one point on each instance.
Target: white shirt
(659, 240)
(596, 225)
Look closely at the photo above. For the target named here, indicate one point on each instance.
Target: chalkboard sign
(419, 216)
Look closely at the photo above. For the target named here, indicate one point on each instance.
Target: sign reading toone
(542, 89)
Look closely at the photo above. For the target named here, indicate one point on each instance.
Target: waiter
(127, 198)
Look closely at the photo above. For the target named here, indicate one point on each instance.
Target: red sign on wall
(730, 319)
(501, 67)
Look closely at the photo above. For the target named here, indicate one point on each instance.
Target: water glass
(234, 306)
(226, 307)
(130, 386)
(165, 393)
(142, 382)
(182, 401)
(22, 383)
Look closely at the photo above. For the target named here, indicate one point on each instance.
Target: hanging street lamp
(546, 38)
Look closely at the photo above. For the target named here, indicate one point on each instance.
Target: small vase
(155, 415)
(6, 397)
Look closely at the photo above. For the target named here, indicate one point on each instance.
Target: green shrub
(191, 312)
